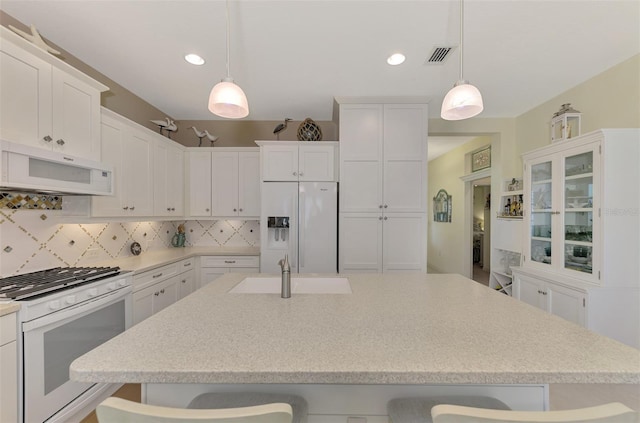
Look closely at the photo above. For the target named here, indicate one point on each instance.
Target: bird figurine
(210, 137)
(172, 127)
(281, 127)
(162, 124)
(199, 134)
(35, 38)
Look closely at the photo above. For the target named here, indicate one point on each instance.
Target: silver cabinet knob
(235, 210)
(125, 208)
(184, 281)
(239, 209)
(156, 293)
(173, 209)
(168, 208)
(60, 142)
(162, 291)
(206, 210)
(385, 218)
(385, 206)
(301, 174)
(47, 138)
(380, 206)
(380, 218)
(132, 208)
(295, 173)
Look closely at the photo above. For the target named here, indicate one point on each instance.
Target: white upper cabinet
(235, 184)
(223, 182)
(128, 149)
(383, 150)
(45, 102)
(298, 161)
(168, 179)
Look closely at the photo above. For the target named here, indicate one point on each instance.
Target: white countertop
(150, 260)
(393, 329)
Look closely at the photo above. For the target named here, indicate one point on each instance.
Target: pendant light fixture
(227, 99)
(463, 101)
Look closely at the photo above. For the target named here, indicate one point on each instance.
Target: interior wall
(608, 100)
(446, 241)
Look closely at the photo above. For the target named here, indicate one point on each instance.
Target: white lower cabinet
(570, 304)
(159, 288)
(8, 369)
(212, 267)
(390, 242)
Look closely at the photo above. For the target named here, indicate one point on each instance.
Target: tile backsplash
(32, 240)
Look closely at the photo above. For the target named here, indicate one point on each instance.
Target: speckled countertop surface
(150, 260)
(8, 307)
(393, 329)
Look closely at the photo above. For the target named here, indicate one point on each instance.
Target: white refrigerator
(299, 219)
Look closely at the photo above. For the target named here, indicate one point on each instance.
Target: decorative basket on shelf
(309, 131)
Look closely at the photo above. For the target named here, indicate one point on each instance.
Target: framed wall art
(442, 207)
(481, 159)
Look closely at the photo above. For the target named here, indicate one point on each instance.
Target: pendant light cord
(461, 36)
(228, 36)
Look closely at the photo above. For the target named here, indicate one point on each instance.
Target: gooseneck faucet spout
(286, 277)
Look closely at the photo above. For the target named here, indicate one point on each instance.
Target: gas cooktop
(20, 287)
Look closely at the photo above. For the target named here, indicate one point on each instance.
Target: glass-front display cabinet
(560, 193)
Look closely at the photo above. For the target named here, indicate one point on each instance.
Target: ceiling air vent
(438, 55)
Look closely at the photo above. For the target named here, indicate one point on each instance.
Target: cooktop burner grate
(28, 285)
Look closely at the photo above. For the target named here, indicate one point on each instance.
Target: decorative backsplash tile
(10, 200)
(33, 240)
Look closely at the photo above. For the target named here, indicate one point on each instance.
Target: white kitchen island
(347, 354)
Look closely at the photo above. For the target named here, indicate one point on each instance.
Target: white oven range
(65, 312)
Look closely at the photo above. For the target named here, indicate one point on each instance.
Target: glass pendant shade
(227, 100)
(463, 101)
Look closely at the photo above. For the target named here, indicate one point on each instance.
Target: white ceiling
(292, 57)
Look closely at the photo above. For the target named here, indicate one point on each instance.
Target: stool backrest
(118, 410)
(608, 413)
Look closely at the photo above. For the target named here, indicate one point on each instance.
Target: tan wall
(446, 241)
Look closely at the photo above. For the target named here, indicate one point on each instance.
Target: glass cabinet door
(541, 212)
(578, 212)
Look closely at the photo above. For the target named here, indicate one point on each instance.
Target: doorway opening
(481, 231)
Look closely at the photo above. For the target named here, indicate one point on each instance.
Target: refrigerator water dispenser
(278, 231)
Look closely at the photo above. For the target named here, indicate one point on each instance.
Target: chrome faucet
(286, 277)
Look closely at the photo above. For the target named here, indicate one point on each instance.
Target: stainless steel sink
(299, 285)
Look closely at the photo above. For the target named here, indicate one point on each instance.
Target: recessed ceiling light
(194, 59)
(396, 59)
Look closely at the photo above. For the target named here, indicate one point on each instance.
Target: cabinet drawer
(153, 276)
(186, 265)
(8, 328)
(230, 261)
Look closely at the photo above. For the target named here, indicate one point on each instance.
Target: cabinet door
(111, 147)
(168, 179)
(539, 187)
(137, 173)
(76, 116)
(166, 293)
(25, 97)
(404, 236)
(566, 303)
(580, 234)
(199, 172)
(360, 242)
(186, 284)
(143, 304)
(530, 291)
(405, 157)
(316, 162)
(361, 164)
(280, 163)
(224, 184)
(249, 184)
(9, 382)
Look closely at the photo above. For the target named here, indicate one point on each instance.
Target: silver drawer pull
(157, 276)
(162, 291)
(47, 138)
(230, 261)
(187, 264)
(60, 141)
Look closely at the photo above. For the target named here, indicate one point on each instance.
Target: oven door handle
(77, 310)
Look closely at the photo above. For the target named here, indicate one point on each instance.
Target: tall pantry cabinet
(383, 185)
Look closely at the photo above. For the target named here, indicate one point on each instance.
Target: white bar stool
(217, 400)
(418, 409)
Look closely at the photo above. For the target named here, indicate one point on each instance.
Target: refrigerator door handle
(301, 227)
